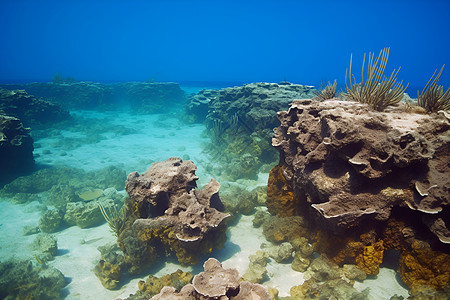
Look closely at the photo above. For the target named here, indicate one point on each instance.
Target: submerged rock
(182, 218)
(366, 182)
(216, 283)
(16, 149)
(31, 110)
(21, 279)
(144, 97)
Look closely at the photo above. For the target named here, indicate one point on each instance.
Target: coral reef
(153, 285)
(280, 253)
(238, 200)
(351, 164)
(21, 279)
(46, 247)
(16, 149)
(240, 122)
(422, 266)
(197, 105)
(50, 221)
(86, 214)
(109, 269)
(184, 219)
(69, 179)
(31, 110)
(278, 230)
(281, 200)
(144, 97)
(365, 182)
(257, 267)
(216, 283)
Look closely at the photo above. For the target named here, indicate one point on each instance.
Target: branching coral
(328, 92)
(433, 97)
(376, 91)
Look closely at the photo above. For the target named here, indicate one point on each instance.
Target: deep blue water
(306, 42)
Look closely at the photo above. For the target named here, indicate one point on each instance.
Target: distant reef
(140, 97)
(30, 110)
(240, 122)
(16, 149)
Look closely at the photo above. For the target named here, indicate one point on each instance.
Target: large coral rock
(351, 164)
(183, 218)
(16, 149)
(367, 182)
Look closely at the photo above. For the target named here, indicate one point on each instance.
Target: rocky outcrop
(350, 164)
(16, 149)
(184, 219)
(142, 97)
(31, 110)
(216, 282)
(240, 121)
(197, 105)
(367, 182)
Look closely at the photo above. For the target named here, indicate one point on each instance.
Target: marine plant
(376, 90)
(114, 218)
(328, 92)
(433, 97)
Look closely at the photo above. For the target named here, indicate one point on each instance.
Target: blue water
(306, 42)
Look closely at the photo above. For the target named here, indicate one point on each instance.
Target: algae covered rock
(46, 246)
(257, 267)
(280, 253)
(31, 110)
(16, 149)
(153, 285)
(111, 265)
(215, 282)
(86, 214)
(21, 279)
(184, 220)
(50, 220)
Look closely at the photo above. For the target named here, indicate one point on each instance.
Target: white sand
(157, 138)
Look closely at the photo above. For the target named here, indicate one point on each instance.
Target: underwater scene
(224, 150)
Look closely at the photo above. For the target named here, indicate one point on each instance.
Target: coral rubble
(366, 182)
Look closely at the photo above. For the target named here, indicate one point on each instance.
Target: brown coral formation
(181, 217)
(216, 282)
(367, 182)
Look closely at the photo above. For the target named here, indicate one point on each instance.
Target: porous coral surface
(180, 216)
(367, 182)
(351, 164)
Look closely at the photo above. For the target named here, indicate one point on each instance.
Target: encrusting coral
(215, 282)
(364, 183)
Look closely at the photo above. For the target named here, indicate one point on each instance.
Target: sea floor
(133, 142)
